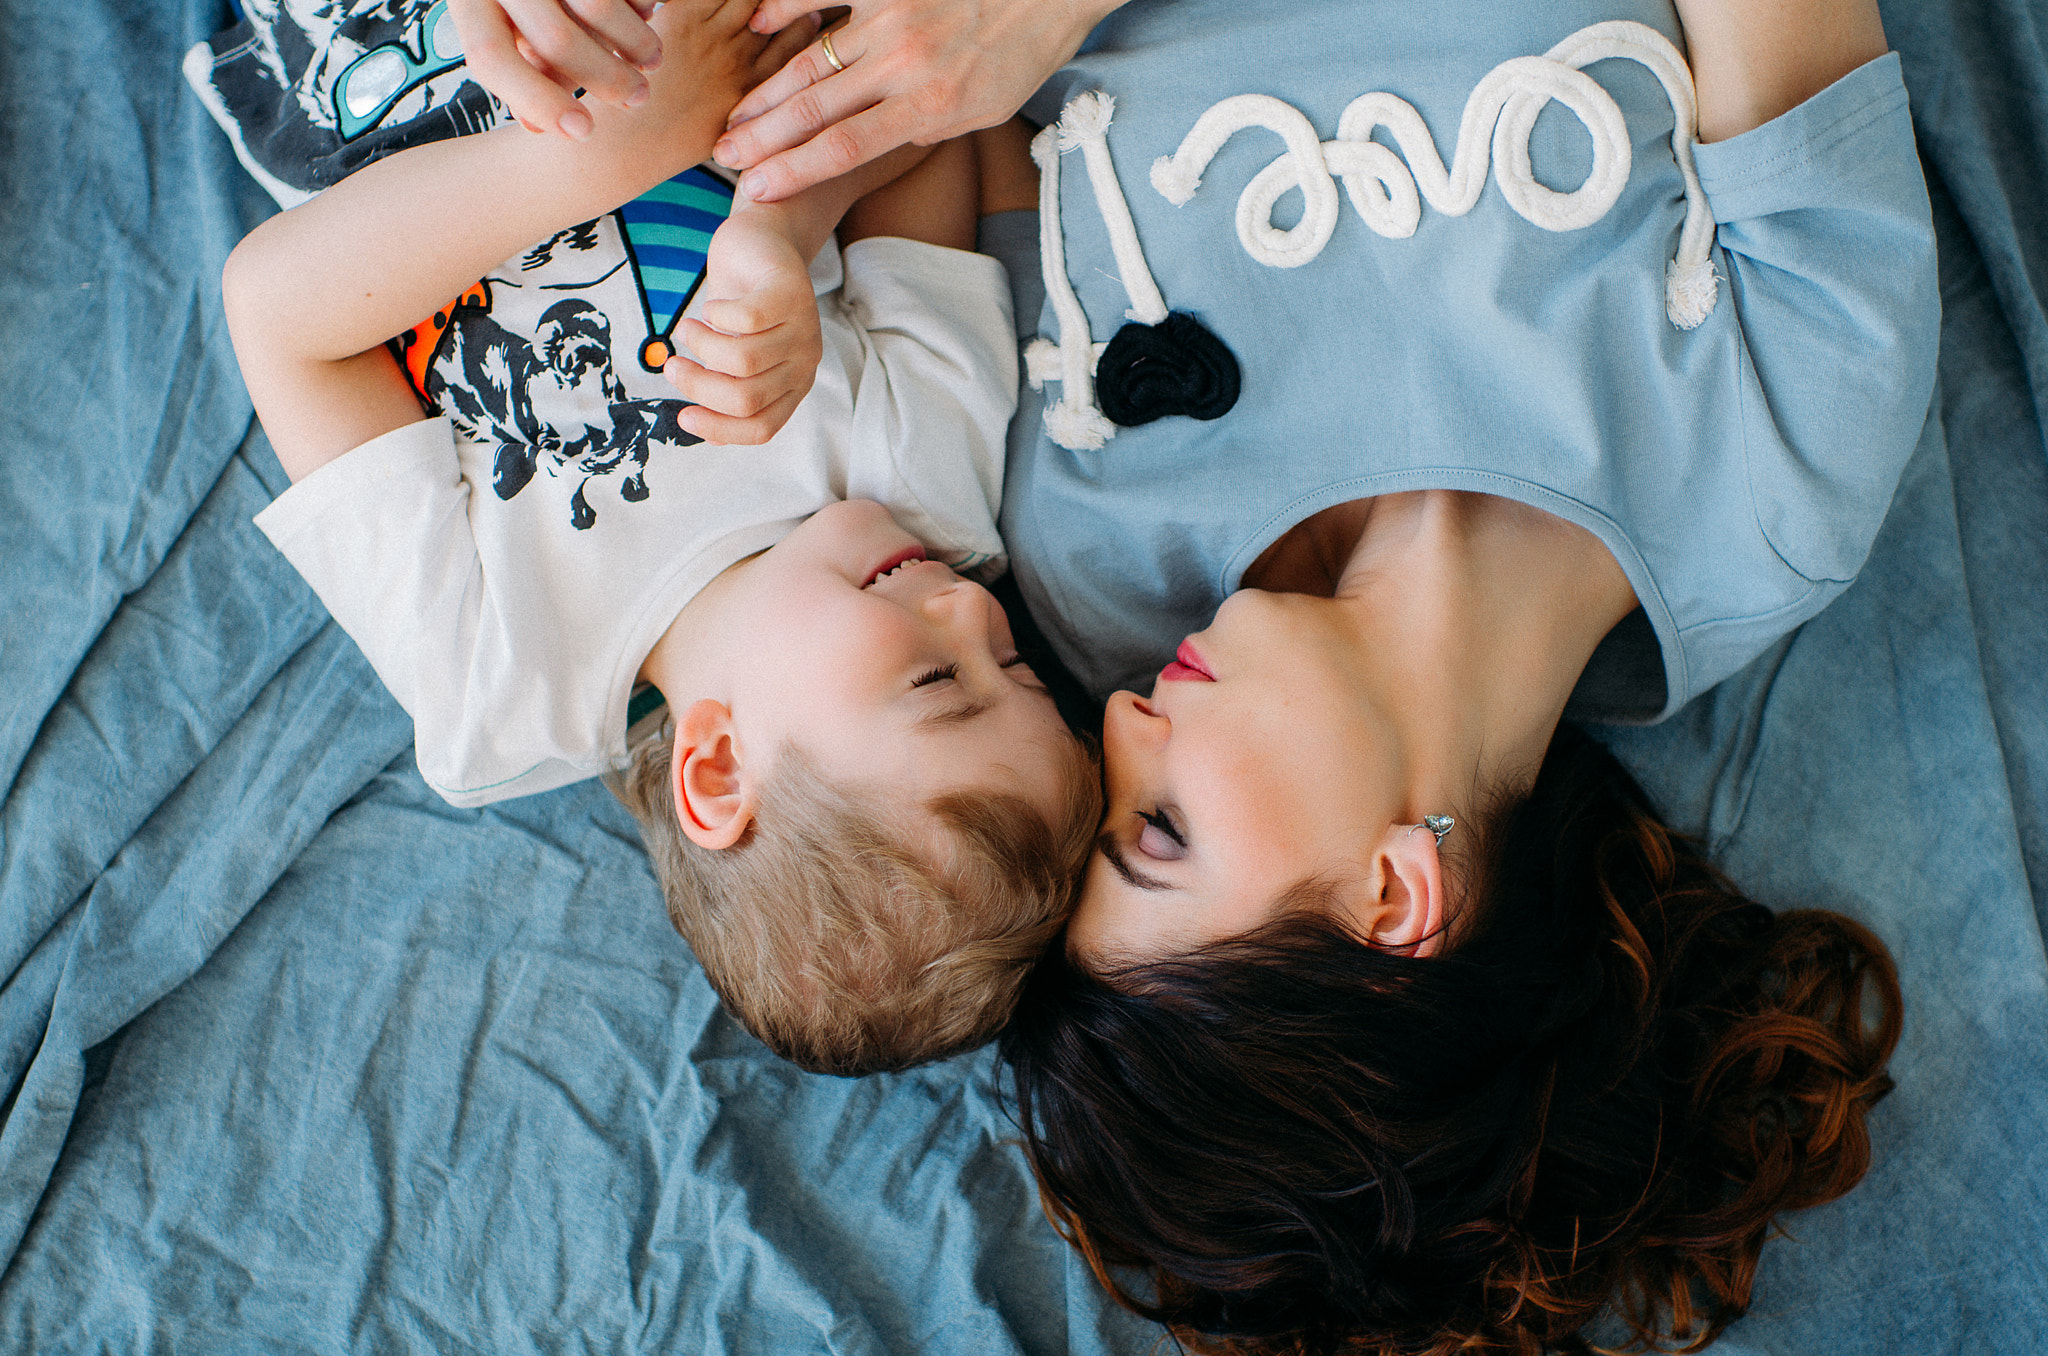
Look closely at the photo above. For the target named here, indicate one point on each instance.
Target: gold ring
(825, 41)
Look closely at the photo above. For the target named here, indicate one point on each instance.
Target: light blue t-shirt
(1737, 470)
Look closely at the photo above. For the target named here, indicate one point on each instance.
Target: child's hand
(758, 339)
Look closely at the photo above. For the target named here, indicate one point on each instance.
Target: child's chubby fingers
(714, 427)
(743, 341)
(717, 19)
(733, 410)
(739, 397)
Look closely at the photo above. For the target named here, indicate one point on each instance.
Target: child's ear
(714, 796)
(1407, 914)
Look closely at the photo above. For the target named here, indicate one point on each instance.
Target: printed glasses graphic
(374, 81)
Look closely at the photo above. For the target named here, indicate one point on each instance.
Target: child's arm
(1754, 59)
(757, 337)
(758, 341)
(313, 294)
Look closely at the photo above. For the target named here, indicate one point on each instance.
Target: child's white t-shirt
(513, 636)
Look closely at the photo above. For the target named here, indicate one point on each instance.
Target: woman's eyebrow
(1106, 845)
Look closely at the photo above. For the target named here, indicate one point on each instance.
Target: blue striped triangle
(667, 229)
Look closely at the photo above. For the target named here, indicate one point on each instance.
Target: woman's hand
(914, 71)
(535, 55)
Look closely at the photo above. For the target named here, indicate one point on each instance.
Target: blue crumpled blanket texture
(297, 1058)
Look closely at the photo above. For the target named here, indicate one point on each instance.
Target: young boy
(865, 812)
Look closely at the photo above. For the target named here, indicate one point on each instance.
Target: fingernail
(724, 152)
(753, 184)
(637, 95)
(575, 124)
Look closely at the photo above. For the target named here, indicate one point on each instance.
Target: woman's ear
(1409, 911)
(714, 795)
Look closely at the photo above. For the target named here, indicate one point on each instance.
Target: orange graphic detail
(418, 345)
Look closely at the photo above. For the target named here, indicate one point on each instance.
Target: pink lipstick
(1187, 666)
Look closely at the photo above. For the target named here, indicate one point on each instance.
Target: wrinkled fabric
(300, 1059)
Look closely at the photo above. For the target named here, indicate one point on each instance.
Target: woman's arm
(1754, 59)
(312, 294)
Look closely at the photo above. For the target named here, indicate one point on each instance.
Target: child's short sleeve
(384, 537)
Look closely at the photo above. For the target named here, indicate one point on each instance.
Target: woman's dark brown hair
(1599, 1097)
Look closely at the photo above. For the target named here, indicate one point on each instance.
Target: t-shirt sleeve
(383, 536)
(1824, 230)
(933, 400)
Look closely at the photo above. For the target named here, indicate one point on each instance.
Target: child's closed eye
(944, 673)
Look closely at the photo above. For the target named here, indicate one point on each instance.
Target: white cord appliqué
(1084, 126)
(1076, 421)
(1499, 117)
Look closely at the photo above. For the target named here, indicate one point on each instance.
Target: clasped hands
(907, 71)
(912, 71)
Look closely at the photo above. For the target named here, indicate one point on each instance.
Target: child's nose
(953, 603)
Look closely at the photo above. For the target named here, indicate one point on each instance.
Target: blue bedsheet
(297, 1058)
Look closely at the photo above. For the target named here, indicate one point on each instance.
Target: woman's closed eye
(1161, 839)
(944, 673)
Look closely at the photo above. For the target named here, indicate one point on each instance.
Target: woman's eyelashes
(1161, 839)
(944, 673)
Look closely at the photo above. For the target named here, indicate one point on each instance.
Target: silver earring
(1439, 825)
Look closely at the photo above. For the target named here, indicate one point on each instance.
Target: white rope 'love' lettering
(1500, 115)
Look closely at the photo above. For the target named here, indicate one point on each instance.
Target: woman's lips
(1187, 666)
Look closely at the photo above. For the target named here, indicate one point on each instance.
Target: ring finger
(829, 48)
(807, 68)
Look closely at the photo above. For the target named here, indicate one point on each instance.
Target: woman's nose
(1131, 725)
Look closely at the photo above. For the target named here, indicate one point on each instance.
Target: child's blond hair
(839, 945)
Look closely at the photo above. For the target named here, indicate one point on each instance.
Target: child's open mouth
(909, 555)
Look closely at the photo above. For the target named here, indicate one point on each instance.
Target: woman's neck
(1473, 617)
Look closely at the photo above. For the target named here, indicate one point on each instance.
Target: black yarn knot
(1174, 367)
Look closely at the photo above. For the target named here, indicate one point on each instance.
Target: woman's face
(1258, 763)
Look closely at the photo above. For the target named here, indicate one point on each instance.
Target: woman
(1392, 1018)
